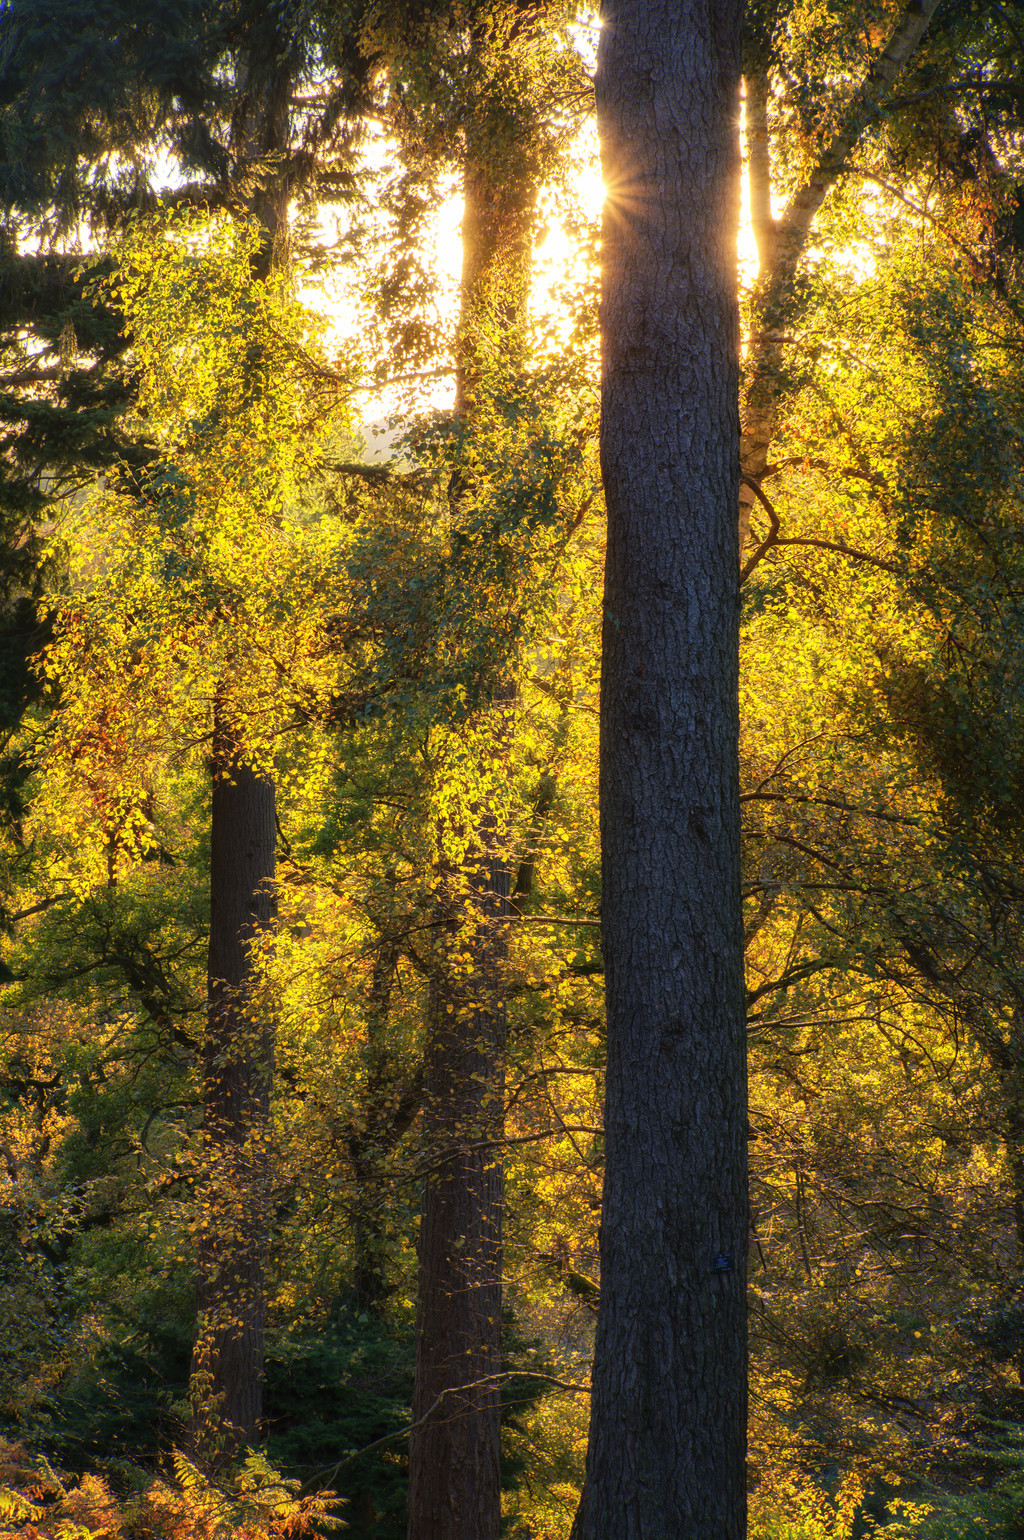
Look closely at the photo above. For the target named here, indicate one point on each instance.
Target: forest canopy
(302, 1014)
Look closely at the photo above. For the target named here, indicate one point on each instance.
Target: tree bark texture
(455, 1452)
(455, 1445)
(666, 1459)
(227, 1363)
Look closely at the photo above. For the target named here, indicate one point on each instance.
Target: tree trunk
(226, 1382)
(455, 1452)
(392, 1104)
(227, 1363)
(668, 1421)
(781, 242)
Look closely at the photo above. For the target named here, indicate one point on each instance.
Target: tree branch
(774, 538)
(795, 224)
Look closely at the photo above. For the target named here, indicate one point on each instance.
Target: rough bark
(455, 1446)
(454, 1452)
(227, 1364)
(668, 1421)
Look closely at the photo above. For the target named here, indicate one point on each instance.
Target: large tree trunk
(668, 1421)
(227, 1364)
(455, 1447)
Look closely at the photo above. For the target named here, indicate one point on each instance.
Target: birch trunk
(781, 242)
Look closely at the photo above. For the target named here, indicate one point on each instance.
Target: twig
(331, 1471)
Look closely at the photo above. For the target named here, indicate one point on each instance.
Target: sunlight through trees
(378, 857)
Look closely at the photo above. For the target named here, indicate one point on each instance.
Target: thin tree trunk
(666, 1459)
(226, 1381)
(369, 1234)
(759, 168)
(227, 1364)
(781, 242)
(454, 1455)
(766, 352)
(391, 1107)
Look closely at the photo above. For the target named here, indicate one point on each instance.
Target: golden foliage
(38, 1502)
